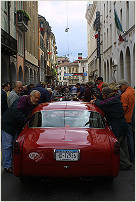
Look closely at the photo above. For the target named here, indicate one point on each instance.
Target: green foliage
(24, 14)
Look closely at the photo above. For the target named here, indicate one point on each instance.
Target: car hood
(60, 137)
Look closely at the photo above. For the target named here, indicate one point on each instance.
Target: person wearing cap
(112, 107)
(128, 102)
(99, 82)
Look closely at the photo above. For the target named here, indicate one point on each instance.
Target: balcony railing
(8, 43)
(22, 20)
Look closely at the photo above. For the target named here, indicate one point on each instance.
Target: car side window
(95, 120)
(36, 120)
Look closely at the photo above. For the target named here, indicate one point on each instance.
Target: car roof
(67, 105)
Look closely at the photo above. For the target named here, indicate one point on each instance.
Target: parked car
(66, 139)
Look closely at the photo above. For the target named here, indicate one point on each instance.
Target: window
(107, 8)
(20, 43)
(127, 15)
(60, 78)
(64, 68)
(104, 44)
(6, 6)
(110, 34)
(121, 16)
(104, 12)
(69, 118)
(107, 38)
(20, 5)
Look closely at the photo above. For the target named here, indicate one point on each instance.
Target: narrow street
(122, 189)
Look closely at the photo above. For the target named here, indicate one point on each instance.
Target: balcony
(8, 43)
(22, 20)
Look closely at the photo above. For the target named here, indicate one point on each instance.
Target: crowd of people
(117, 100)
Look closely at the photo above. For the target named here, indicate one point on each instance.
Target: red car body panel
(97, 157)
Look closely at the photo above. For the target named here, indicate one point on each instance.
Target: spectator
(15, 93)
(45, 96)
(115, 87)
(73, 90)
(128, 101)
(99, 82)
(4, 90)
(88, 93)
(80, 91)
(50, 93)
(114, 114)
(30, 87)
(105, 85)
(24, 90)
(13, 121)
(6, 87)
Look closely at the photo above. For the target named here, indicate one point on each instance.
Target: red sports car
(66, 139)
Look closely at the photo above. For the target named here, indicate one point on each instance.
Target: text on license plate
(67, 155)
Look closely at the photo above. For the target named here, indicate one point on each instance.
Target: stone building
(92, 43)
(83, 69)
(63, 68)
(47, 52)
(8, 41)
(117, 54)
(73, 68)
(21, 28)
(31, 73)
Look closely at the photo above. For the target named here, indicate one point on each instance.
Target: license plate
(67, 155)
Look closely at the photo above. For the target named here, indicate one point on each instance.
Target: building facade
(92, 43)
(31, 67)
(117, 56)
(73, 69)
(8, 41)
(62, 68)
(83, 69)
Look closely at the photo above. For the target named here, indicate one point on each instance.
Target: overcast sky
(59, 14)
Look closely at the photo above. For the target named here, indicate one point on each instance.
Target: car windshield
(67, 118)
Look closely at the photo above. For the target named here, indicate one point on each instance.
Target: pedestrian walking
(112, 107)
(128, 102)
(13, 121)
(15, 93)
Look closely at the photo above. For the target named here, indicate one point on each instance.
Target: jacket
(128, 101)
(16, 116)
(100, 86)
(4, 105)
(114, 114)
(12, 97)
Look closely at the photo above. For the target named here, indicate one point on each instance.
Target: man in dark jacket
(4, 90)
(114, 113)
(80, 91)
(12, 123)
(45, 96)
